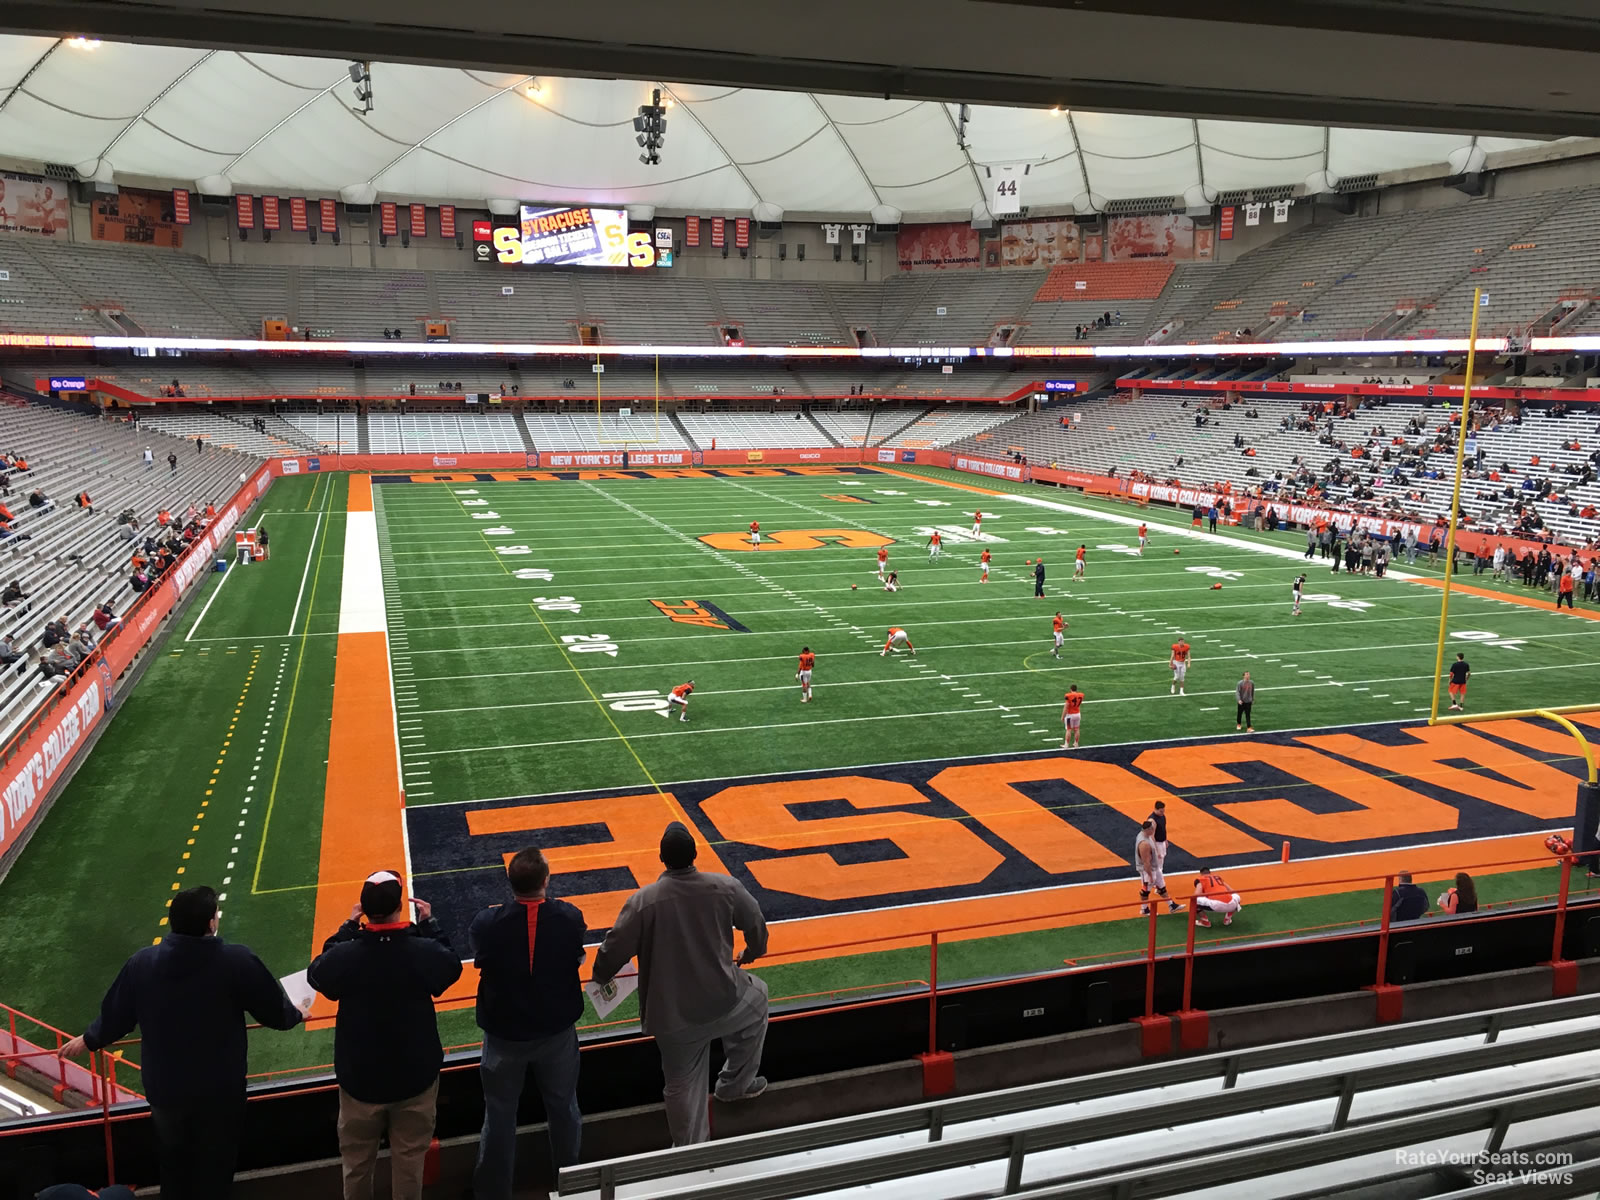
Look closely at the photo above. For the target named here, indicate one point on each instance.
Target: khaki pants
(409, 1124)
(686, 1061)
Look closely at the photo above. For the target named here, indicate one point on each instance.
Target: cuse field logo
(697, 612)
(799, 539)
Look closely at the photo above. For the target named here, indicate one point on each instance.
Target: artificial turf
(485, 579)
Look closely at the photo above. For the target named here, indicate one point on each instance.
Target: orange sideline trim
(1508, 597)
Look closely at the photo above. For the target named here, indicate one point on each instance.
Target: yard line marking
(227, 575)
(295, 615)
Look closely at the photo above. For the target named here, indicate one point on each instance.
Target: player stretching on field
(755, 535)
(1148, 864)
(1072, 716)
(803, 673)
(897, 638)
(1211, 894)
(1179, 664)
(1144, 536)
(1058, 627)
(680, 696)
(977, 524)
(883, 559)
(1459, 670)
(1299, 586)
(1077, 565)
(935, 548)
(892, 584)
(983, 562)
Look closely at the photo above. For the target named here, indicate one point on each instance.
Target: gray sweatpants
(686, 1061)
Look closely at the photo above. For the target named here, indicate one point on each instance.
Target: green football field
(533, 643)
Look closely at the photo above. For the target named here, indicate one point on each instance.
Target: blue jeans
(554, 1060)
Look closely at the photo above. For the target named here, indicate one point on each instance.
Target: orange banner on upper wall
(33, 204)
(1039, 243)
(950, 244)
(137, 217)
(1160, 235)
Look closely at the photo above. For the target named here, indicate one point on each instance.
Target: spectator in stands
(37, 499)
(189, 995)
(139, 581)
(54, 634)
(104, 618)
(14, 593)
(1461, 898)
(691, 992)
(385, 974)
(529, 1000)
(200, 444)
(9, 653)
(1407, 901)
(79, 647)
(172, 462)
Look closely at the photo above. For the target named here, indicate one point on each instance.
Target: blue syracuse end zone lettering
(697, 612)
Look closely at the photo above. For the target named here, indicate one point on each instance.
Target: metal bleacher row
(72, 561)
(1383, 1112)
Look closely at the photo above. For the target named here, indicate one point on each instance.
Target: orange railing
(104, 1090)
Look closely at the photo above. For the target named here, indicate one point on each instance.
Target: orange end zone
(1508, 597)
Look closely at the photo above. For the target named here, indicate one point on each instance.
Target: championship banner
(32, 204)
(269, 213)
(297, 214)
(389, 220)
(949, 245)
(718, 231)
(136, 217)
(447, 220)
(244, 206)
(741, 232)
(1039, 243)
(328, 216)
(180, 205)
(1225, 224)
(1158, 235)
(419, 220)
(691, 231)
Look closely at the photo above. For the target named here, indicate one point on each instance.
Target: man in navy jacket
(189, 995)
(385, 974)
(529, 1000)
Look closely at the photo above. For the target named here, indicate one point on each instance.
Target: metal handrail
(936, 1117)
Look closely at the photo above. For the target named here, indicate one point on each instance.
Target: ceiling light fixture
(361, 76)
(84, 43)
(534, 90)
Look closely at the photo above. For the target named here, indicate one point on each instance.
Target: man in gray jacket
(690, 991)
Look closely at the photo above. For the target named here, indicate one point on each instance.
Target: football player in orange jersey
(803, 673)
(680, 696)
(1078, 563)
(1179, 664)
(1212, 894)
(935, 546)
(977, 524)
(897, 638)
(755, 535)
(1058, 627)
(1144, 536)
(983, 562)
(883, 560)
(1072, 716)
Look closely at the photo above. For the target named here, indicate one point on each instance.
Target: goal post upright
(1455, 502)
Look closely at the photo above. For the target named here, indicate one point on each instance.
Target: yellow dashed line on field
(210, 787)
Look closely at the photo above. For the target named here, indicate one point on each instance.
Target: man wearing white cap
(385, 972)
(691, 993)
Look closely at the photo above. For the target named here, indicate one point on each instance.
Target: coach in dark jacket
(385, 975)
(1038, 578)
(188, 995)
(529, 1000)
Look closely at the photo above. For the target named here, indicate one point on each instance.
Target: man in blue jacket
(188, 995)
(529, 1000)
(385, 974)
